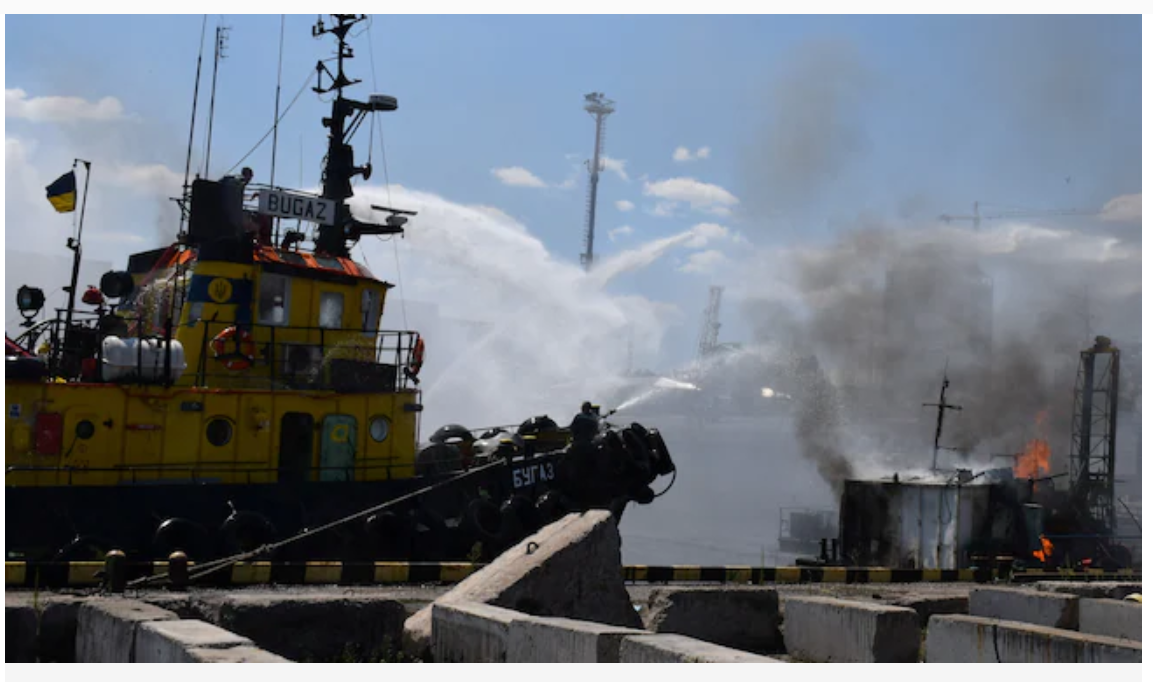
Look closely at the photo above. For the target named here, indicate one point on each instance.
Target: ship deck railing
(288, 357)
(350, 360)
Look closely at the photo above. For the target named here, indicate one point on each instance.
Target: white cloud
(699, 195)
(705, 232)
(683, 154)
(154, 178)
(17, 104)
(517, 176)
(703, 262)
(663, 209)
(623, 230)
(625, 205)
(1125, 208)
(616, 166)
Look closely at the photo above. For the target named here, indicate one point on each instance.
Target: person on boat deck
(259, 227)
(585, 425)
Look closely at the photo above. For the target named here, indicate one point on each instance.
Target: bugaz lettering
(297, 207)
(532, 474)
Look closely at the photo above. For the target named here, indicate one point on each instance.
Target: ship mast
(339, 166)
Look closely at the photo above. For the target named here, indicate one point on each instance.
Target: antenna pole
(221, 35)
(941, 406)
(600, 107)
(276, 118)
(192, 125)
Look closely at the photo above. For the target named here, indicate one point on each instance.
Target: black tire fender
(663, 462)
(483, 520)
(84, 547)
(180, 534)
(246, 530)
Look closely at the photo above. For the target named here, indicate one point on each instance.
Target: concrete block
(106, 628)
(973, 639)
(1024, 606)
(237, 654)
(311, 627)
(170, 641)
(681, 649)
(1095, 589)
(746, 618)
(40, 627)
(464, 632)
(824, 629)
(927, 605)
(534, 639)
(573, 570)
(1111, 618)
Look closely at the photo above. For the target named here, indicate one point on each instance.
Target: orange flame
(1034, 461)
(1046, 550)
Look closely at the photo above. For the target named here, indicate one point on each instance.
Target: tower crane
(976, 217)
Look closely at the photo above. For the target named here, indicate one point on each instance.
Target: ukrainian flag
(62, 193)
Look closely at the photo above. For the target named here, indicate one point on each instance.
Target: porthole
(219, 432)
(378, 428)
(85, 430)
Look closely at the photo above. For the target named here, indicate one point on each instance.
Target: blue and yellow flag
(62, 193)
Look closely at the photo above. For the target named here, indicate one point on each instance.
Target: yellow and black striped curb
(1034, 574)
(88, 573)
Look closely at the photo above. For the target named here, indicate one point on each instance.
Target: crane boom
(976, 217)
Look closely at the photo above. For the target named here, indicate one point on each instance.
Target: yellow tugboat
(234, 388)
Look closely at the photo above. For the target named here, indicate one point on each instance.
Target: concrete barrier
(974, 639)
(1095, 589)
(1024, 606)
(40, 627)
(823, 629)
(465, 632)
(746, 618)
(1111, 618)
(106, 629)
(194, 641)
(563, 640)
(682, 649)
(570, 568)
(310, 627)
(927, 605)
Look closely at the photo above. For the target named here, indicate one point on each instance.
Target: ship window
(274, 291)
(331, 310)
(218, 432)
(85, 430)
(292, 258)
(368, 304)
(328, 262)
(378, 428)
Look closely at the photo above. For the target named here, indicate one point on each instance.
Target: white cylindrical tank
(141, 359)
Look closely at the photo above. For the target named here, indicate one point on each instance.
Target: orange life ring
(417, 360)
(243, 349)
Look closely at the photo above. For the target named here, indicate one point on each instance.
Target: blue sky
(813, 124)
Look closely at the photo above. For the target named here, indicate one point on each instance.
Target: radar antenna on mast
(339, 166)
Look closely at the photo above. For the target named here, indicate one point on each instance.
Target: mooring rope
(220, 564)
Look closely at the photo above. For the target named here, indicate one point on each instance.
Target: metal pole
(276, 118)
(74, 244)
(192, 125)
